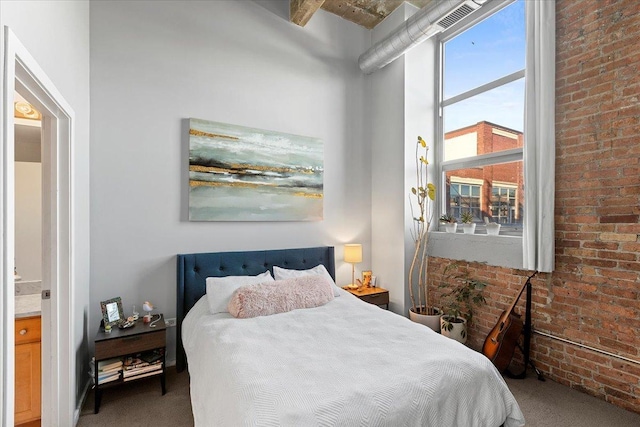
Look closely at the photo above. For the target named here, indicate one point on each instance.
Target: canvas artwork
(243, 174)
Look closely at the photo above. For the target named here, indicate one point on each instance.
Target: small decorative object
(353, 255)
(462, 292)
(493, 228)
(153, 324)
(366, 278)
(112, 313)
(107, 329)
(148, 307)
(374, 281)
(136, 315)
(468, 226)
(127, 324)
(450, 223)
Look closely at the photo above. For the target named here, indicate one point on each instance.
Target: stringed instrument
(501, 342)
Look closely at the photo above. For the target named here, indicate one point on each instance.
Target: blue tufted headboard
(193, 270)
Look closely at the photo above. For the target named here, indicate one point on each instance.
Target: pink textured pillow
(280, 296)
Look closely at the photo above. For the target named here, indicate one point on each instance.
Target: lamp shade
(353, 253)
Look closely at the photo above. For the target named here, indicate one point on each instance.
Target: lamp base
(353, 276)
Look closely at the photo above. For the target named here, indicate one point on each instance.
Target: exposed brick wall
(593, 296)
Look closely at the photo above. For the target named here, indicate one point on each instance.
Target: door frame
(21, 72)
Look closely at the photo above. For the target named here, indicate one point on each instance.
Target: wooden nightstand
(122, 343)
(375, 296)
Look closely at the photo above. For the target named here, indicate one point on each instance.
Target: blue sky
(490, 50)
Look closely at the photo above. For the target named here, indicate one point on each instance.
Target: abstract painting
(243, 174)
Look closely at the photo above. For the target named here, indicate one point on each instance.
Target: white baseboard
(76, 412)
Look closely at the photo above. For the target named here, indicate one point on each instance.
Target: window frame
(506, 249)
(488, 159)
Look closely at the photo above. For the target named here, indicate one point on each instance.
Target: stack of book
(109, 370)
(142, 365)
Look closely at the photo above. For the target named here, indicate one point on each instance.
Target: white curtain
(539, 136)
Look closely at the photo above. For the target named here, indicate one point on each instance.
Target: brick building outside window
(496, 191)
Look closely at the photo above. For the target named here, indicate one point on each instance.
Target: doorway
(28, 264)
(21, 73)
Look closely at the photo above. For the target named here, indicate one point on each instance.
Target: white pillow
(320, 270)
(220, 289)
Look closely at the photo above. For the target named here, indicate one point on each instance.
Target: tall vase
(432, 321)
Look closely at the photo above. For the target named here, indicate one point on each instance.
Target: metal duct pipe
(419, 27)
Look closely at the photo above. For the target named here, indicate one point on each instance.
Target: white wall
(401, 109)
(56, 34)
(461, 146)
(28, 226)
(156, 64)
(419, 120)
(386, 92)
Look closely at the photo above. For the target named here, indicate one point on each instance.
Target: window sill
(500, 251)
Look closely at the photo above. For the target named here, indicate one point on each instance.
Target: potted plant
(421, 211)
(450, 223)
(468, 226)
(493, 228)
(462, 293)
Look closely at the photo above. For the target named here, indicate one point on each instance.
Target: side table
(375, 296)
(123, 343)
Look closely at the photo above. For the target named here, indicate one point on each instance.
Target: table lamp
(353, 255)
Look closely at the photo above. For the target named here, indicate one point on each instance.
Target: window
(504, 204)
(464, 197)
(481, 117)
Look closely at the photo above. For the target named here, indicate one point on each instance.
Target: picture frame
(238, 173)
(366, 278)
(112, 313)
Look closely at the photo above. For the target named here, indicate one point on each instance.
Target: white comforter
(347, 363)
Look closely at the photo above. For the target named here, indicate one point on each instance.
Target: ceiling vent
(432, 19)
(456, 15)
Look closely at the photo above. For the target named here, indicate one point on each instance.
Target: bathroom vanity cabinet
(28, 369)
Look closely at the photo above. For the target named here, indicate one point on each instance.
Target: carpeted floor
(141, 404)
(544, 404)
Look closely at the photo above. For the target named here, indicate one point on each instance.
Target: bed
(344, 363)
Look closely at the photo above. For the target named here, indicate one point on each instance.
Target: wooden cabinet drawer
(377, 299)
(27, 330)
(27, 383)
(130, 344)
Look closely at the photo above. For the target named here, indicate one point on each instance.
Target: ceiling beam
(300, 11)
